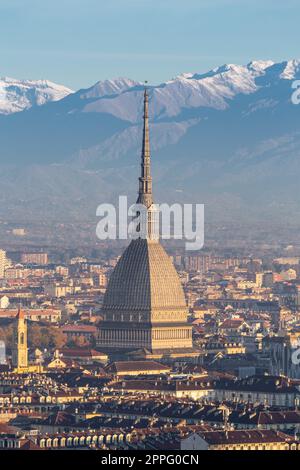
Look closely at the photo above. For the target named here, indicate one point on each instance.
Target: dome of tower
(144, 279)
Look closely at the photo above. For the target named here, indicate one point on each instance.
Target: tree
(81, 341)
(45, 337)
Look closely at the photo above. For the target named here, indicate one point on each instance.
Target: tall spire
(145, 180)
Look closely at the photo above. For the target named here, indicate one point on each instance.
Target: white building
(4, 301)
(4, 263)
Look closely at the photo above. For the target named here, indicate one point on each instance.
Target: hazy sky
(77, 42)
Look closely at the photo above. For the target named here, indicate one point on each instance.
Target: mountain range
(228, 138)
(18, 95)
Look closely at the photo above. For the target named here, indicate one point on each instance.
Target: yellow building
(249, 439)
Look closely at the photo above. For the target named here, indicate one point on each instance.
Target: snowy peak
(214, 89)
(228, 138)
(260, 65)
(291, 70)
(109, 87)
(19, 95)
(120, 97)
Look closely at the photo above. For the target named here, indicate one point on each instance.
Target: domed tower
(144, 305)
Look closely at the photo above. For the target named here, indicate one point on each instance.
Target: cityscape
(123, 352)
(147, 343)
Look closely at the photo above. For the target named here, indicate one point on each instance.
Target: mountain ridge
(19, 95)
(228, 138)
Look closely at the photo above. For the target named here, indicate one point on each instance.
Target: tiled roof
(124, 366)
(279, 417)
(68, 352)
(230, 324)
(264, 384)
(241, 436)
(79, 328)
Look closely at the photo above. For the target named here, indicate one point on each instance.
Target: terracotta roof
(231, 323)
(12, 313)
(241, 436)
(279, 417)
(258, 383)
(78, 328)
(60, 418)
(68, 352)
(130, 366)
(27, 444)
(8, 429)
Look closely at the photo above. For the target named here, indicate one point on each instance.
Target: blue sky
(78, 42)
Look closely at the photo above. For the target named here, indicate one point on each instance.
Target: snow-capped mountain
(109, 87)
(229, 138)
(18, 95)
(119, 97)
(214, 89)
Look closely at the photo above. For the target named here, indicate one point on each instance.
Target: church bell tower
(20, 350)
